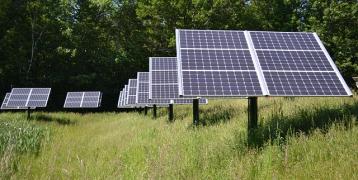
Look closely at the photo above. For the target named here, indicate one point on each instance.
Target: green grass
(300, 138)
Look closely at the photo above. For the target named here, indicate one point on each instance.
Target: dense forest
(72, 45)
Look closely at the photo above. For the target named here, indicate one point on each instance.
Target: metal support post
(154, 111)
(171, 110)
(28, 113)
(252, 116)
(145, 110)
(196, 112)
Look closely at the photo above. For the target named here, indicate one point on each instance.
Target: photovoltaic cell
(29, 97)
(88, 99)
(252, 63)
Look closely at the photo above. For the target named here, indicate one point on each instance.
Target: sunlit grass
(300, 138)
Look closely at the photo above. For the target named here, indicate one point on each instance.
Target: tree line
(72, 45)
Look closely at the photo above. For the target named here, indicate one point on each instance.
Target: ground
(297, 138)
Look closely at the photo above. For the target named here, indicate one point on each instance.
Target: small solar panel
(142, 97)
(124, 97)
(119, 104)
(132, 91)
(28, 97)
(251, 63)
(163, 78)
(88, 99)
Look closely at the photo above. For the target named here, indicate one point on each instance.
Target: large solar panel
(297, 64)
(88, 99)
(248, 63)
(132, 91)
(29, 97)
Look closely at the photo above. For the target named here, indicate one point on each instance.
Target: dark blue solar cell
(164, 77)
(220, 83)
(164, 63)
(304, 83)
(281, 40)
(294, 60)
(212, 39)
(194, 59)
(165, 91)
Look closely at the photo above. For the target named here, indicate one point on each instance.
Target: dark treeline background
(73, 45)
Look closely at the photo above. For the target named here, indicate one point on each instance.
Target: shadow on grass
(279, 127)
(48, 118)
(217, 114)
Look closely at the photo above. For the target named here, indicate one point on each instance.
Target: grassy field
(298, 138)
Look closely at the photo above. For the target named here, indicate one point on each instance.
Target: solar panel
(248, 63)
(125, 96)
(88, 99)
(119, 104)
(5, 106)
(28, 97)
(132, 91)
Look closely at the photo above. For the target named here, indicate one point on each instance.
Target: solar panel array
(250, 63)
(89, 99)
(28, 97)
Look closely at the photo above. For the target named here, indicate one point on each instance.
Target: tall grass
(297, 138)
(17, 137)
